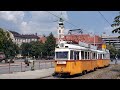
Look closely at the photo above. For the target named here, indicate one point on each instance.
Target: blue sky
(92, 21)
(42, 22)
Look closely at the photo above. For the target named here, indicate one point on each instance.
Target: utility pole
(94, 39)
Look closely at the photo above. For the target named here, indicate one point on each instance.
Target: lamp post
(41, 55)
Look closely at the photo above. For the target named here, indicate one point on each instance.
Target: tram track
(111, 72)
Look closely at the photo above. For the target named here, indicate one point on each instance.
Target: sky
(43, 22)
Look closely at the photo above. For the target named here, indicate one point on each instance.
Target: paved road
(19, 66)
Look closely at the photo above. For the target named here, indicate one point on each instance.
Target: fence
(22, 67)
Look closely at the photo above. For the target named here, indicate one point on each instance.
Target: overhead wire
(70, 24)
(104, 18)
(65, 21)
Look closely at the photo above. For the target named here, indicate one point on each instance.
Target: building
(42, 39)
(86, 38)
(111, 40)
(60, 29)
(20, 38)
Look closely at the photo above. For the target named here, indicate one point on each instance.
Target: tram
(71, 59)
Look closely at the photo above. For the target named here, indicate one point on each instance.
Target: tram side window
(85, 55)
(71, 54)
(88, 56)
(100, 56)
(94, 55)
(76, 55)
(82, 54)
(103, 56)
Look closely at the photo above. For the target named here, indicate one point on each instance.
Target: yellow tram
(73, 59)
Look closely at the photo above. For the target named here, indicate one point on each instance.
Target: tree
(25, 49)
(116, 23)
(6, 45)
(36, 49)
(49, 46)
(113, 51)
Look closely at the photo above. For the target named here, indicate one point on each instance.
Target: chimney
(36, 34)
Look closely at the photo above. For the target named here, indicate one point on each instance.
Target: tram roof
(99, 51)
(73, 46)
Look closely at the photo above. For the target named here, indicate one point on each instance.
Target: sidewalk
(28, 74)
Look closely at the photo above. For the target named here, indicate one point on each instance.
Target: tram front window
(62, 55)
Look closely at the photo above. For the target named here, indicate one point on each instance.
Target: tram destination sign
(61, 62)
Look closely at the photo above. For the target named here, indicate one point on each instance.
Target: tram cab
(71, 58)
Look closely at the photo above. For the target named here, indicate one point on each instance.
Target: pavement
(36, 74)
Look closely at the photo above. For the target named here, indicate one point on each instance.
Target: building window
(59, 36)
(59, 31)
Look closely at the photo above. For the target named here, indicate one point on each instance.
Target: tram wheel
(94, 69)
(84, 72)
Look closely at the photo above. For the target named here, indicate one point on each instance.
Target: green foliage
(116, 23)
(39, 49)
(36, 49)
(6, 45)
(112, 50)
(25, 49)
(49, 45)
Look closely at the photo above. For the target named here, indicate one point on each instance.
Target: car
(10, 61)
(28, 60)
(49, 57)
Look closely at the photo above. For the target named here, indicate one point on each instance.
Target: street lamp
(41, 55)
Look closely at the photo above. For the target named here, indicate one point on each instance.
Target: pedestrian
(116, 58)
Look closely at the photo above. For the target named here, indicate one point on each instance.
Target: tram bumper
(62, 67)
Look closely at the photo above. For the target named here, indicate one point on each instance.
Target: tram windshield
(62, 55)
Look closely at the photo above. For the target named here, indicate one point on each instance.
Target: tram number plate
(61, 62)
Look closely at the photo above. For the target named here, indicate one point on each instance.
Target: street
(20, 66)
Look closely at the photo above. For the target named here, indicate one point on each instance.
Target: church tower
(60, 30)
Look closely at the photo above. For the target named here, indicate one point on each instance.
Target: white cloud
(14, 16)
(41, 22)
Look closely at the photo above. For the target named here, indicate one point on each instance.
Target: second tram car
(73, 59)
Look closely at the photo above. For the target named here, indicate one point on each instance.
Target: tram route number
(61, 62)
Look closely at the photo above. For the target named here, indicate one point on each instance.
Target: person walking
(116, 58)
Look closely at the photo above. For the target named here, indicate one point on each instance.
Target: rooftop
(27, 36)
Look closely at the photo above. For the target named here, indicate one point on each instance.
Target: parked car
(28, 60)
(49, 57)
(12, 60)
